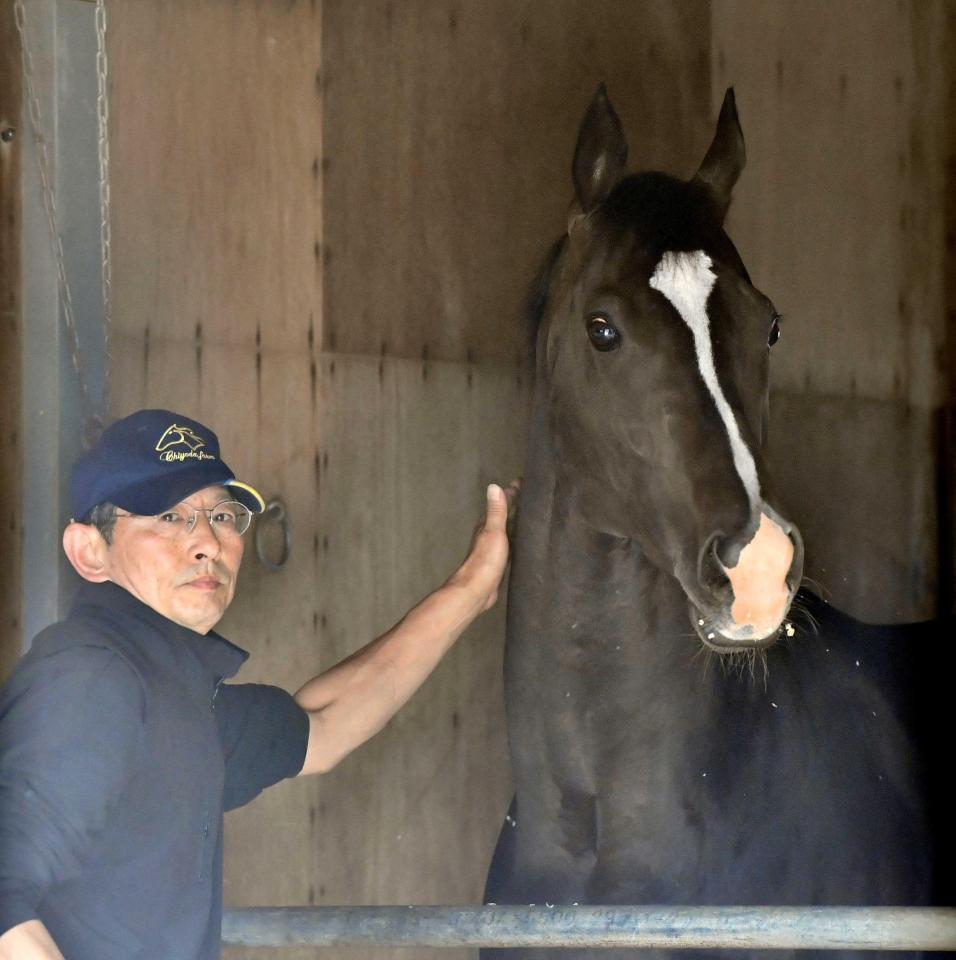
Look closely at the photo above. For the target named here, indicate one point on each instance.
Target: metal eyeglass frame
(191, 522)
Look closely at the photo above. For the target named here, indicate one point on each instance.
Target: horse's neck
(569, 578)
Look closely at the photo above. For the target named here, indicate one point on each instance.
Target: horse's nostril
(727, 550)
(711, 571)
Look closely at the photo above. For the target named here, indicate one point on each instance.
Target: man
(120, 746)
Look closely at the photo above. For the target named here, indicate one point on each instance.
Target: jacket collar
(215, 652)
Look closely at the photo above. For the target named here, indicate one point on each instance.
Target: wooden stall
(325, 216)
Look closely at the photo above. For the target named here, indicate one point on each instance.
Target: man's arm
(356, 698)
(70, 735)
(28, 941)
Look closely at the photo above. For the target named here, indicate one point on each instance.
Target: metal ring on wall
(274, 512)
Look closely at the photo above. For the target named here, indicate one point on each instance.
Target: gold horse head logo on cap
(176, 435)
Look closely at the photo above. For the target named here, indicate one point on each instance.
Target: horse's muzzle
(748, 585)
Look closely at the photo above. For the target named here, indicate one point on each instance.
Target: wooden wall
(841, 218)
(449, 133)
(11, 460)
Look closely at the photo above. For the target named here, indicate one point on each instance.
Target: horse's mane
(536, 303)
(666, 214)
(662, 212)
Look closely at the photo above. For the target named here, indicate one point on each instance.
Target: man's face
(189, 579)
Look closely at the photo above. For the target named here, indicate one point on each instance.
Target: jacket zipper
(205, 818)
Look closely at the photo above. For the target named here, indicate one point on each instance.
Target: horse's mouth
(722, 637)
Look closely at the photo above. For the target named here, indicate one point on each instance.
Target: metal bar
(800, 928)
(62, 39)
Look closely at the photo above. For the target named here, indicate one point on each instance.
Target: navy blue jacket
(120, 747)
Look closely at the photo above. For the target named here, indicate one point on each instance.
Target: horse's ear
(600, 155)
(726, 156)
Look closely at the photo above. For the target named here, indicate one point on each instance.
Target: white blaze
(686, 280)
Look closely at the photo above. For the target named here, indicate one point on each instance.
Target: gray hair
(103, 517)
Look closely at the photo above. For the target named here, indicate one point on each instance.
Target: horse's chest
(596, 710)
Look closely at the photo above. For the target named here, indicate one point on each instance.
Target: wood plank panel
(269, 843)
(450, 128)
(411, 448)
(840, 218)
(11, 458)
(218, 214)
(839, 214)
(859, 477)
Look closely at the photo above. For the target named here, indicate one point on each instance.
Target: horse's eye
(602, 335)
(774, 330)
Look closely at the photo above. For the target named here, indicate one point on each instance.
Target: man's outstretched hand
(353, 700)
(483, 568)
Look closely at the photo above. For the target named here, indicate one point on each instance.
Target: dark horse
(675, 738)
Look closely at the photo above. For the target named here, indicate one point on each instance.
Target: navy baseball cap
(150, 461)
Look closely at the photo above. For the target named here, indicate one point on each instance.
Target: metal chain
(103, 141)
(92, 421)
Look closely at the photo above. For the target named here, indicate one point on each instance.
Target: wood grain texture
(11, 381)
(839, 214)
(449, 133)
(219, 208)
(858, 476)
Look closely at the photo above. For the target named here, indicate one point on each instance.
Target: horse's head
(653, 349)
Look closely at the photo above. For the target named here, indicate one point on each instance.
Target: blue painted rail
(751, 928)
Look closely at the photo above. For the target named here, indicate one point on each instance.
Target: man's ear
(87, 551)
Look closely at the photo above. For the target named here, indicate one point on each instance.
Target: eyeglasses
(227, 519)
